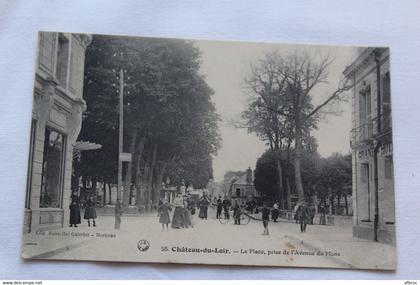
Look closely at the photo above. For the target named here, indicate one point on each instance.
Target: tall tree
(167, 109)
(298, 75)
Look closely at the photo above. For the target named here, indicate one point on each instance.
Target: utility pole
(120, 150)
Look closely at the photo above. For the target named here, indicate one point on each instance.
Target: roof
(242, 180)
(365, 54)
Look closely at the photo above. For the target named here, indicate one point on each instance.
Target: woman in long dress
(177, 219)
(75, 210)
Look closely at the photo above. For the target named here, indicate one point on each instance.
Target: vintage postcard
(210, 152)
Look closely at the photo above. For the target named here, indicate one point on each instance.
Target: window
(364, 173)
(30, 165)
(365, 111)
(238, 192)
(364, 179)
(46, 50)
(62, 60)
(52, 169)
(386, 101)
(389, 167)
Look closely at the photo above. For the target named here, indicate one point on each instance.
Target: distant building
(371, 143)
(243, 187)
(56, 121)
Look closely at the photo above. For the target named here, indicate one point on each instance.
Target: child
(265, 218)
(164, 218)
(90, 212)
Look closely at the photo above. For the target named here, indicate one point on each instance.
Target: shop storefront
(56, 121)
(372, 148)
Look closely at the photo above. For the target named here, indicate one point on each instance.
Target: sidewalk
(353, 252)
(40, 246)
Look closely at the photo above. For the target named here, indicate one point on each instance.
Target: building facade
(371, 143)
(243, 187)
(56, 121)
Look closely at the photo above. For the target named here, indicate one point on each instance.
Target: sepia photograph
(163, 150)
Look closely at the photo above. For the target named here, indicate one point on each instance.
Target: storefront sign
(384, 149)
(125, 156)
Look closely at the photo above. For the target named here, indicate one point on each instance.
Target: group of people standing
(90, 211)
(184, 210)
(222, 205)
(304, 215)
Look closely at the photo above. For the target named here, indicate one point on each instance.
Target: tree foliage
(170, 122)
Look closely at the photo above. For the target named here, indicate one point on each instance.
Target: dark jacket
(266, 214)
(90, 211)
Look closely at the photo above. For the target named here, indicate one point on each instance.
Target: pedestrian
(164, 218)
(186, 214)
(303, 216)
(322, 218)
(118, 213)
(191, 209)
(177, 218)
(226, 204)
(311, 214)
(204, 203)
(296, 217)
(237, 213)
(75, 218)
(159, 204)
(219, 207)
(265, 218)
(275, 212)
(90, 211)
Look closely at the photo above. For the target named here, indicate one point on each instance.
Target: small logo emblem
(143, 245)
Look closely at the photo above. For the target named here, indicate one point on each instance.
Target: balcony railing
(362, 132)
(385, 123)
(369, 129)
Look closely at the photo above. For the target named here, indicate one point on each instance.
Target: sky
(226, 64)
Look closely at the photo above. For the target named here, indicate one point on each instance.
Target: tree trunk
(288, 197)
(280, 177)
(338, 204)
(104, 193)
(332, 205)
(296, 162)
(109, 194)
(131, 195)
(128, 173)
(346, 204)
(143, 183)
(288, 190)
(94, 190)
(140, 149)
(150, 176)
(138, 182)
(157, 187)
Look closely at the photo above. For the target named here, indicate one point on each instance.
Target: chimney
(249, 175)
